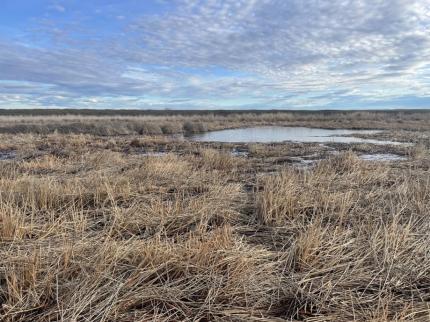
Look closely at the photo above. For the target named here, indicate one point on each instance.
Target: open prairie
(122, 218)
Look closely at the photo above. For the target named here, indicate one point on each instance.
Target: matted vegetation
(93, 228)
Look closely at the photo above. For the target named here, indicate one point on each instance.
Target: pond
(266, 134)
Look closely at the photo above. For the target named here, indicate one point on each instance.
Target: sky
(215, 54)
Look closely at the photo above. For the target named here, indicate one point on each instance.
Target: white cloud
(57, 7)
(293, 41)
(300, 52)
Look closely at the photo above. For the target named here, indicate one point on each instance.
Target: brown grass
(151, 124)
(91, 230)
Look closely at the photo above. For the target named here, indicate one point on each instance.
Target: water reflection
(281, 133)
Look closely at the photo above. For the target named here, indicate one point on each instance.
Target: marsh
(165, 228)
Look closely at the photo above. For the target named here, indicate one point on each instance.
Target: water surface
(382, 157)
(268, 134)
(7, 155)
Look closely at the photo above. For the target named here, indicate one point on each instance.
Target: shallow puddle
(239, 153)
(7, 155)
(382, 157)
(268, 134)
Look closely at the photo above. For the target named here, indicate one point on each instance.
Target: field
(117, 218)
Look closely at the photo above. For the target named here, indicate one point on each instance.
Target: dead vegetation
(91, 230)
(191, 122)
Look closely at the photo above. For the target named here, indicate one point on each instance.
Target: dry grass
(90, 230)
(153, 124)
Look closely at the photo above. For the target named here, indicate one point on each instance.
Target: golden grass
(92, 231)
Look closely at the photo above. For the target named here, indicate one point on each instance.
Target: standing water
(268, 134)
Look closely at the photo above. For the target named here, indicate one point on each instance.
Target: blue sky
(195, 54)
